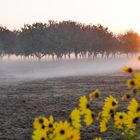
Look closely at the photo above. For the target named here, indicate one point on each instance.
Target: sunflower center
(43, 127)
(127, 95)
(132, 83)
(135, 120)
(130, 70)
(112, 115)
(71, 136)
(113, 103)
(70, 120)
(50, 125)
(111, 111)
(92, 115)
(96, 95)
(121, 117)
(138, 109)
(42, 138)
(41, 121)
(134, 90)
(62, 132)
(88, 106)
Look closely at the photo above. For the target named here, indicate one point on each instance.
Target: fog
(17, 71)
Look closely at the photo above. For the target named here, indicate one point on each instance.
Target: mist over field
(77, 50)
(16, 71)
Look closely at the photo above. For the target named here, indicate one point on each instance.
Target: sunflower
(94, 94)
(111, 102)
(103, 125)
(75, 118)
(135, 90)
(98, 138)
(62, 130)
(130, 83)
(39, 135)
(131, 120)
(133, 106)
(126, 96)
(128, 69)
(50, 127)
(137, 80)
(109, 107)
(75, 134)
(88, 118)
(50, 123)
(108, 113)
(119, 119)
(83, 105)
(133, 114)
(40, 122)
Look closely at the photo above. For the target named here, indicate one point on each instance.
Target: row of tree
(62, 39)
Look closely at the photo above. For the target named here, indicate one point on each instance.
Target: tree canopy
(65, 38)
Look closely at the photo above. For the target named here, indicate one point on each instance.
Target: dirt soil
(20, 103)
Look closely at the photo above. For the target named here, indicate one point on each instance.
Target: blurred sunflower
(126, 96)
(135, 90)
(127, 69)
(83, 105)
(103, 125)
(130, 83)
(88, 118)
(94, 94)
(98, 138)
(75, 118)
(137, 80)
(133, 106)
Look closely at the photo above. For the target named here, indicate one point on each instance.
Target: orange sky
(118, 15)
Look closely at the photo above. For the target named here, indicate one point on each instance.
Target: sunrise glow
(118, 15)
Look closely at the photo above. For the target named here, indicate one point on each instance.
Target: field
(21, 102)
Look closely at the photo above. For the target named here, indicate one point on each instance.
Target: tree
(7, 41)
(130, 42)
(31, 40)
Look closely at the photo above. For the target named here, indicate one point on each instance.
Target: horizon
(116, 33)
(119, 16)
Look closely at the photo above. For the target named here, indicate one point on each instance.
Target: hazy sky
(118, 15)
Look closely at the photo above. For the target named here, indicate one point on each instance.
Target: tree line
(66, 38)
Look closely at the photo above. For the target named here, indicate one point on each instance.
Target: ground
(21, 102)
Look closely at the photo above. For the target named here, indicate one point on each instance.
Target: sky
(118, 15)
